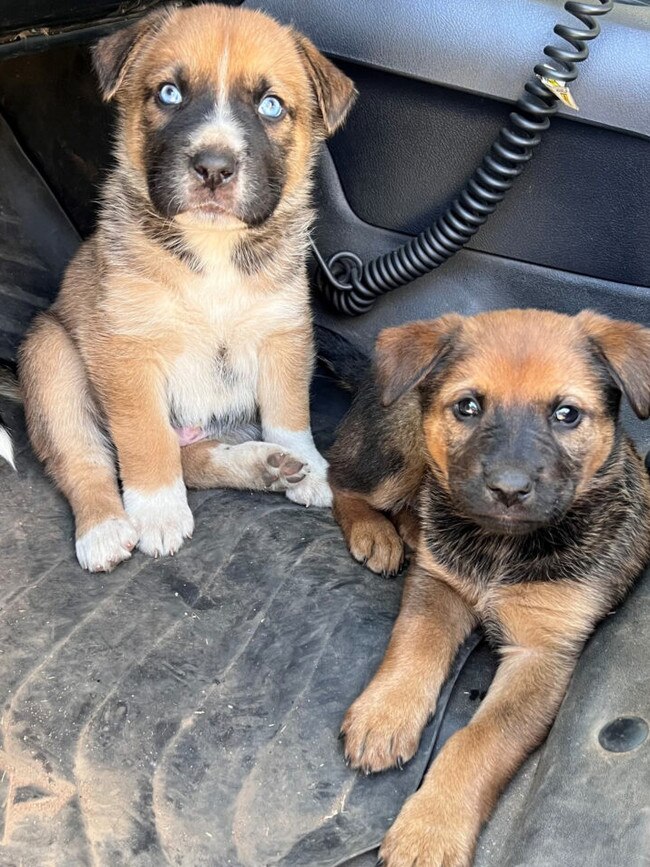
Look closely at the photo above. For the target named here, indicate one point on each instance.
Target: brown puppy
(182, 333)
(534, 522)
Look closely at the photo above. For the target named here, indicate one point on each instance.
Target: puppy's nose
(214, 167)
(509, 485)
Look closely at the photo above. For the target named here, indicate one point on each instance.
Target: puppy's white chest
(215, 379)
(223, 321)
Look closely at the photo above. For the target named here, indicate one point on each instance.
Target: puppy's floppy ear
(113, 55)
(335, 92)
(406, 354)
(625, 349)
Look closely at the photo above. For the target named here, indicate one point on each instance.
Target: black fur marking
(519, 439)
(611, 388)
(349, 364)
(265, 162)
(256, 250)
(262, 162)
(452, 354)
(223, 368)
(602, 533)
(158, 229)
(367, 450)
(168, 236)
(396, 384)
(166, 153)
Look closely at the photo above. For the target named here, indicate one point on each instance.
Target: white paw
(313, 490)
(257, 465)
(105, 545)
(163, 518)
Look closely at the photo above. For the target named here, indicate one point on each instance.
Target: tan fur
(408, 526)
(255, 465)
(371, 537)
(383, 726)
(286, 358)
(135, 330)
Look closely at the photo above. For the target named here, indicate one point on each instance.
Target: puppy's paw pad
(105, 545)
(313, 490)
(163, 519)
(377, 544)
(282, 470)
(382, 730)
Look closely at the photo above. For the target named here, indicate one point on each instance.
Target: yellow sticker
(560, 90)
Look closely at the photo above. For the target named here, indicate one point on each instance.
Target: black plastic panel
(487, 47)
(32, 18)
(581, 204)
(53, 105)
(36, 242)
(42, 13)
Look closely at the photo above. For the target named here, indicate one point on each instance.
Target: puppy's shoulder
(378, 447)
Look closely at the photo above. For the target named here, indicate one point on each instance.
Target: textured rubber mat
(186, 710)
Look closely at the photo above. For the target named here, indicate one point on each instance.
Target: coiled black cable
(352, 287)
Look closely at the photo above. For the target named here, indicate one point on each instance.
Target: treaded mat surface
(186, 710)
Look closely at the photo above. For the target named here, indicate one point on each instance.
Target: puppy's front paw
(162, 518)
(382, 728)
(429, 833)
(105, 545)
(377, 544)
(313, 490)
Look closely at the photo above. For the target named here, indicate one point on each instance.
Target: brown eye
(567, 415)
(467, 407)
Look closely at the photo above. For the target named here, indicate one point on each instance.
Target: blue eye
(271, 107)
(169, 94)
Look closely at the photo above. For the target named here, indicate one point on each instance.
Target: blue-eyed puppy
(179, 350)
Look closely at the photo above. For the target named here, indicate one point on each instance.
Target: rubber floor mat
(186, 710)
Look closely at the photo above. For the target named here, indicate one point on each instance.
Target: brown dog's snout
(509, 485)
(214, 167)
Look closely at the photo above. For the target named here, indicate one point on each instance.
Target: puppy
(533, 520)
(182, 328)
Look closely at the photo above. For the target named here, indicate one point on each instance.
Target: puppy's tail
(349, 365)
(9, 389)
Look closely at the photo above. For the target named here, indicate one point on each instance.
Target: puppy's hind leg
(250, 465)
(62, 421)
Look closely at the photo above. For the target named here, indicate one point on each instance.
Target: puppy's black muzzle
(509, 485)
(513, 477)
